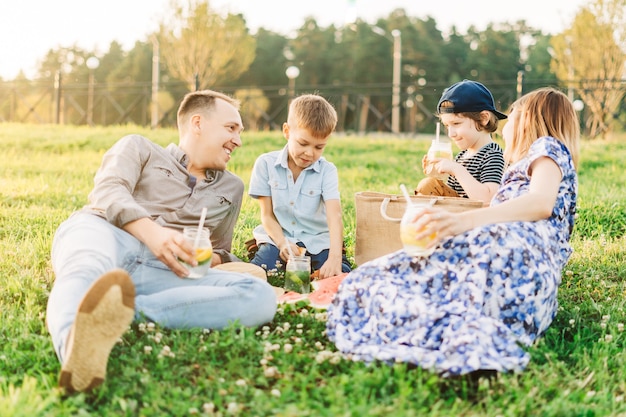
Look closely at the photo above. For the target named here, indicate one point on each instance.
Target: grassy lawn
(288, 367)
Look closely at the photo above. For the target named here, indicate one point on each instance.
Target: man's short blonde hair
(201, 101)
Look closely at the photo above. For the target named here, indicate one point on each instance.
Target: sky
(30, 28)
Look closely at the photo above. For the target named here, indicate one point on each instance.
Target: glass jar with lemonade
(438, 149)
(202, 248)
(409, 231)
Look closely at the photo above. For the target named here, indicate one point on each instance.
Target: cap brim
(499, 115)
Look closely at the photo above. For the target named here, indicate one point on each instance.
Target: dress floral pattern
(477, 301)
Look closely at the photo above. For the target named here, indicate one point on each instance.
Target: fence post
(57, 95)
(154, 116)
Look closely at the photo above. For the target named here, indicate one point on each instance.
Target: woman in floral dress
(490, 287)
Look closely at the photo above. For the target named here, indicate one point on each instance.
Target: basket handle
(383, 211)
(385, 203)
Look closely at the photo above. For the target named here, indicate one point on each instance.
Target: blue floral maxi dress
(476, 301)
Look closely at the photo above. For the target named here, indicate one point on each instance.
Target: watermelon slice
(325, 290)
(291, 297)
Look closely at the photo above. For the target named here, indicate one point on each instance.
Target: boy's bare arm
(273, 228)
(332, 266)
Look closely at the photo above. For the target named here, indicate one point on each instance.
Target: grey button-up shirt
(139, 178)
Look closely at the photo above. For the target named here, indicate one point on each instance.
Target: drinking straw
(437, 132)
(289, 249)
(200, 226)
(406, 195)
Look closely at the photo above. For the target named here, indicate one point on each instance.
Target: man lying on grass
(119, 258)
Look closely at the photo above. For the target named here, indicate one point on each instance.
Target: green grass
(288, 367)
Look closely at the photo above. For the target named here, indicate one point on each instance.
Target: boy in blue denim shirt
(298, 193)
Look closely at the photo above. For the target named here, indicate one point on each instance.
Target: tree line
(352, 65)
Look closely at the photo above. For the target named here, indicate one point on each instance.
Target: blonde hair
(543, 112)
(200, 102)
(491, 125)
(313, 113)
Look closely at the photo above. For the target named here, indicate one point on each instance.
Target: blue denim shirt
(298, 207)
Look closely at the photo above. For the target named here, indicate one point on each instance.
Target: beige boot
(434, 186)
(104, 314)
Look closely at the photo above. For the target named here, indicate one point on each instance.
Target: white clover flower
(288, 348)
(620, 327)
(608, 338)
(603, 325)
(193, 411)
(335, 359)
(275, 393)
(151, 326)
(166, 351)
(323, 356)
(208, 408)
(619, 398)
(591, 394)
(569, 273)
(233, 408)
(606, 317)
(142, 327)
(571, 322)
(241, 383)
(147, 349)
(263, 362)
(270, 372)
(321, 316)
(299, 326)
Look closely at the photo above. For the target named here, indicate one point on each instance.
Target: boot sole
(104, 314)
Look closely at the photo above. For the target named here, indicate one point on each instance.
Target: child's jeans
(267, 257)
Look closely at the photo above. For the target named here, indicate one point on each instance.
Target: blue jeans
(268, 255)
(86, 246)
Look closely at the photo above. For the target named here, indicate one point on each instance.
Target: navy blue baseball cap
(468, 96)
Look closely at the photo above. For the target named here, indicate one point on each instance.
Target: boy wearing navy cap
(467, 111)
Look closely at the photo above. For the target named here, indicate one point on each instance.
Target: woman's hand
(440, 222)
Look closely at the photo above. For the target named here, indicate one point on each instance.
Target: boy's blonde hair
(543, 112)
(313, 113)
(491, 125)
(200, 102)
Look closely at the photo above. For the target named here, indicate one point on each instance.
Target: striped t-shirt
(486, 165)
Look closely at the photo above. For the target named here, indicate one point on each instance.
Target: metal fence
(361, 108)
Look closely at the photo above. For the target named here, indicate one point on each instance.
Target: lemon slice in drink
(203, 255)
